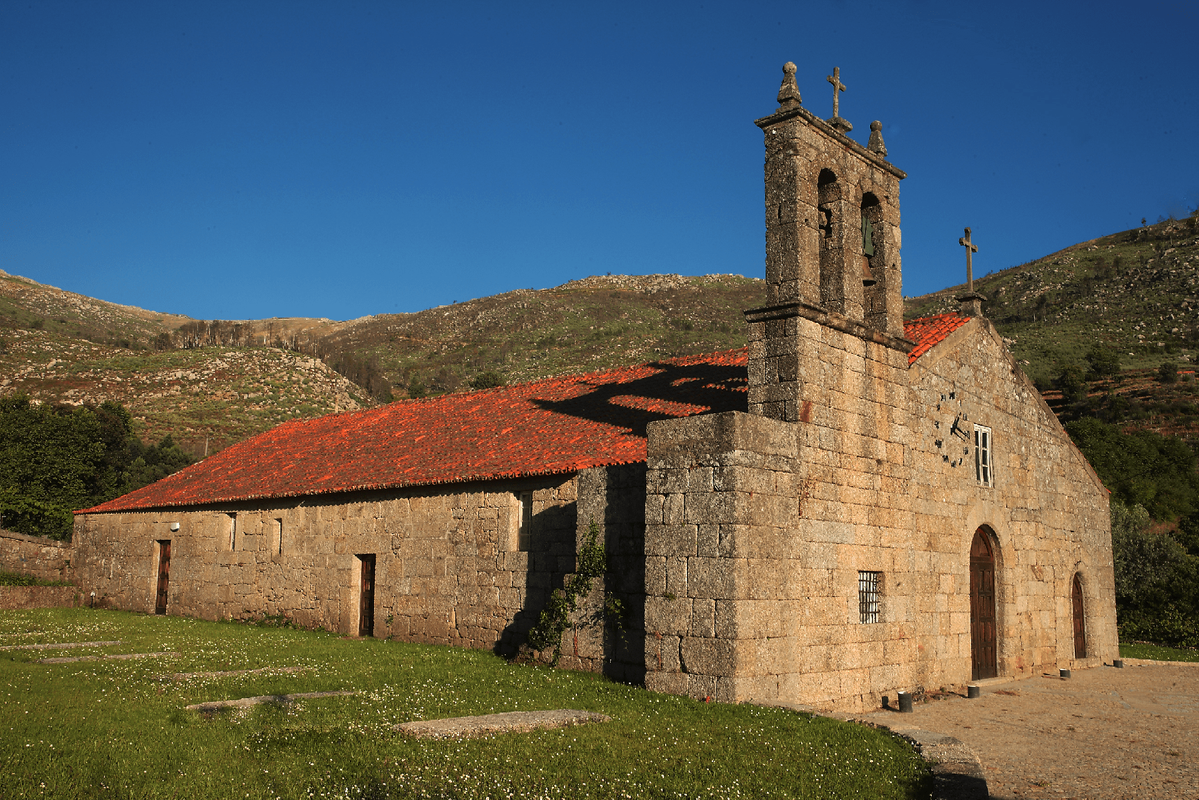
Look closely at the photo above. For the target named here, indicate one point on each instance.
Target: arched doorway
(983, 630)
(1080, 619)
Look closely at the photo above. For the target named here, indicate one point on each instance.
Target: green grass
(118, 729)
(1156, 653)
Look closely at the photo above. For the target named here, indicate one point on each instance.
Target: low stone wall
(48, 559)
(20, 597)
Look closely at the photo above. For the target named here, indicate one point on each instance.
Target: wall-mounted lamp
(174, 526)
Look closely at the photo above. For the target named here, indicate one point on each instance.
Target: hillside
(1136, 292)
(210, 383)
(583, 325)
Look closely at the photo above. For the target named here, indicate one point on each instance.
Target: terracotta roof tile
(549, 427)
(928, 332)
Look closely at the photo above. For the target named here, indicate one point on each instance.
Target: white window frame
(984, 461)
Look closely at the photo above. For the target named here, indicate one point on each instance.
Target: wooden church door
(366, 597)
(983, 638)
(164, 576)
(1080, 620)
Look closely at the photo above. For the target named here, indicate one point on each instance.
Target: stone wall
(1047, 513)
(24, 597)
(448, 565)
(757, 530)
(48, 559)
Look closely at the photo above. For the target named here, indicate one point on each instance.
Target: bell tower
(832, 248)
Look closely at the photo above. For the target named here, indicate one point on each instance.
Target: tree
(1157, 582)
(1141, 468)
(55, 460)
(1103, 362)
(1168, 372)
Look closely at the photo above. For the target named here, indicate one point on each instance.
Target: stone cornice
(784, 114)
(823, 317)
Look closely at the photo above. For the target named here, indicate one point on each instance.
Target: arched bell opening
(829, 221)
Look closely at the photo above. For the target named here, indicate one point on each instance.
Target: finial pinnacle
(789, 91)
(876, 144)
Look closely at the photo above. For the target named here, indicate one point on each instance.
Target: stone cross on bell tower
(841, 125)
(971, 301)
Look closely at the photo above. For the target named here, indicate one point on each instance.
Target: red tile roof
(928, 332)
(553, 426)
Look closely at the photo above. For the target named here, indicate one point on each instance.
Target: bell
(867, 275)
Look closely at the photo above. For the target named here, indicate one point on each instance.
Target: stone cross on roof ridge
(970, 248)
(839, 124)
(971, 301)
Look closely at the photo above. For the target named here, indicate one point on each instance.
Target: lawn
(118, 728)
(1156, 652)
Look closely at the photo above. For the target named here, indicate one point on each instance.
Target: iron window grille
(869, 586)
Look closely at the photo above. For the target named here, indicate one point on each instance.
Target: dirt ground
(1103, 734)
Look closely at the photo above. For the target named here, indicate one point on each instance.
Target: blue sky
(251, 159)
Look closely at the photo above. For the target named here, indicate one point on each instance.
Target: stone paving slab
(182, 676)
(246, 702)
(506, 722)
(61, 646)
(117, 657)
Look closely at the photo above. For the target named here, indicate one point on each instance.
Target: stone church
(852, 506)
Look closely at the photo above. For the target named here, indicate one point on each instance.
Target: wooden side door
(366, 596)
(1080, 619)
(983, 629)
(164, 576)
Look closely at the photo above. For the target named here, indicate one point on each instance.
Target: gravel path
(1104, 734)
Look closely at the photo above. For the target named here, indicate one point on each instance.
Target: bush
(487, 380)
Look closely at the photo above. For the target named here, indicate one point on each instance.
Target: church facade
(854, 505)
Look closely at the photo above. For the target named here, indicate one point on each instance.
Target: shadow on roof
(675, 391)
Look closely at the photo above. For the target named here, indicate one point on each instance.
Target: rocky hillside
(1136, 292)
(206, 398)
(580, 326)
(1132, 295)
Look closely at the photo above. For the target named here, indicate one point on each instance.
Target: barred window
(869, 586)
(982, 456)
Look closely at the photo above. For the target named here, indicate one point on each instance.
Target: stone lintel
(783, 115)
(823, 317)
